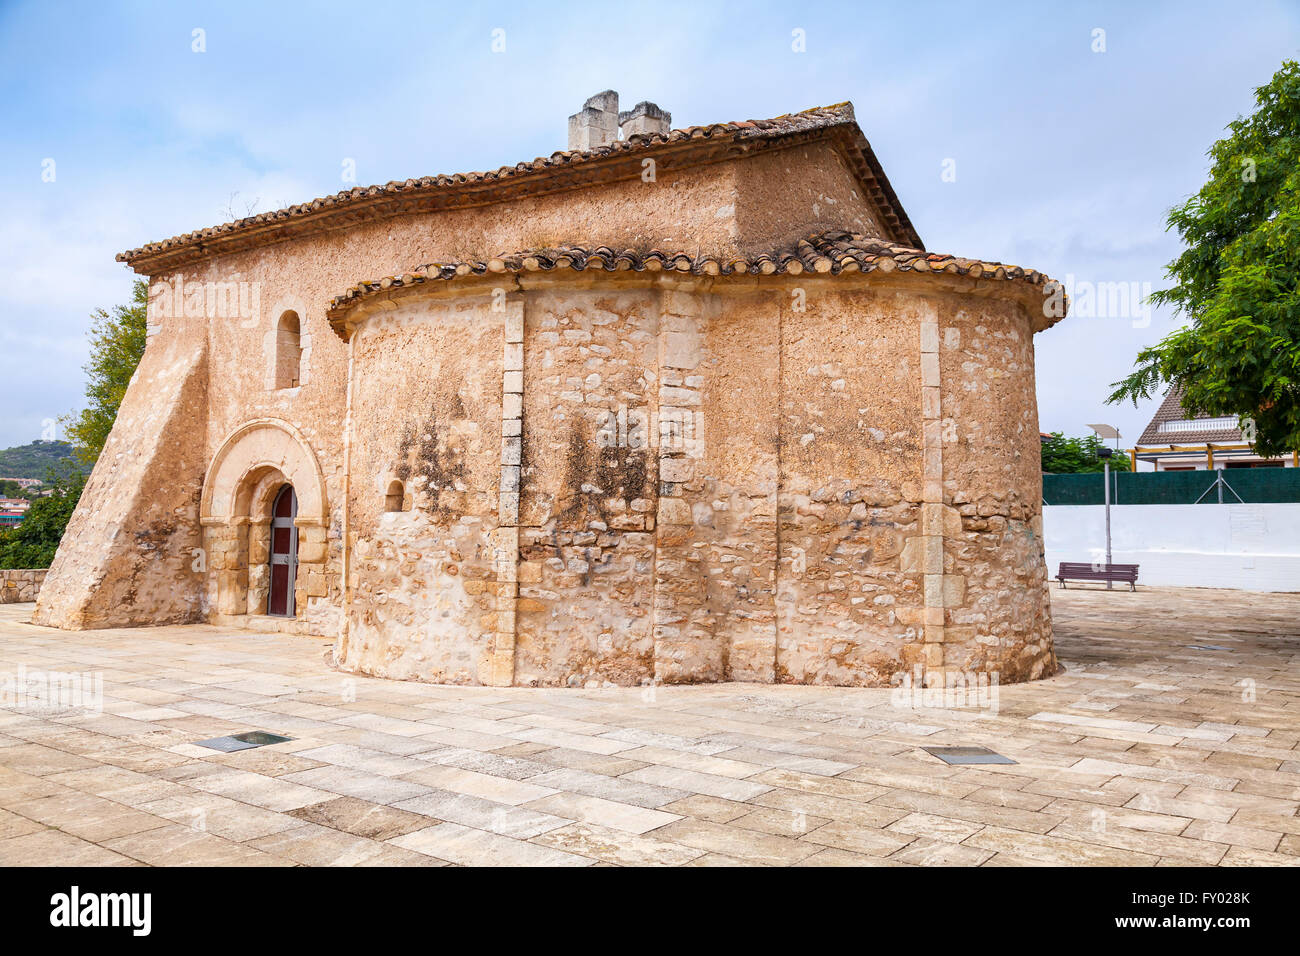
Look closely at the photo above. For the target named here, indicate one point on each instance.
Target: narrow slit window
(396, 498)
(288, 351)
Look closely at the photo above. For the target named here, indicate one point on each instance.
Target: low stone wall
(19, 585)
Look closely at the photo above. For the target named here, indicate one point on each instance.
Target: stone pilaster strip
(932, 507)
(678, 435)
(506, 544)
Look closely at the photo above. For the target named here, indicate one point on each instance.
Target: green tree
(1063, 455)
(116, 343)
(33, 543)
(1238, 280)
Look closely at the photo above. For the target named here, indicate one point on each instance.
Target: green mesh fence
(1251, 485)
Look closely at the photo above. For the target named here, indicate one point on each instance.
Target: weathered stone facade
(805, 451)
(18, 586)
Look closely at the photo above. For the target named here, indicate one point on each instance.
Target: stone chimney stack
(644, 118)
(596, 124)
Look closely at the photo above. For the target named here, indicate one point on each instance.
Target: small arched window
(395, 500)
(288, 351)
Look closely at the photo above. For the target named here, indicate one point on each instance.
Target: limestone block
(312, 547)
(503, 668)
(929, 337)
(682, 350)
(515, 325)
(930, 402)
(909, 559)
(954, 590)
(259, 552)
(514, 357)
(932, 554)
(959, 633)
(676, 469)
(674, 511)
(511, 451)
(672, 535)
(681, 303)
(670, 397)
(930, 369)
(934, 590)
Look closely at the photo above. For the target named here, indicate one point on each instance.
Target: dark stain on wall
(593, 475)
(422, 453)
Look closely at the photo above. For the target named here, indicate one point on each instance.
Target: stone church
(671, 405)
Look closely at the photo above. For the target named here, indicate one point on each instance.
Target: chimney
(596, 124)
(643, 119)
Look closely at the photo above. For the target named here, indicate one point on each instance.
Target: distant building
(1176, 440)
(23, 482)
(14, 504)
(11, 519)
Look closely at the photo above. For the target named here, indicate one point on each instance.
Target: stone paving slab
(1144, 751)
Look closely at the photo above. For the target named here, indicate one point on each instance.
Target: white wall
(1248, 547)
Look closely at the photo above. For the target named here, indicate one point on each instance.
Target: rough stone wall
(775, 208)
(588, 488)
(427, 412)
(716, 568)
(824, 482)
(18, 586)
(135, 529)
(850, 438)
(992, 477)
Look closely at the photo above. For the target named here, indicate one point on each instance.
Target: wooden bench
(1084, 571)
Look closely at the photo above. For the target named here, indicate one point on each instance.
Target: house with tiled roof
(1177, 440)
(669, 405)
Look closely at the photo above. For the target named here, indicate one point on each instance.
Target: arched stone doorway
(245, 481)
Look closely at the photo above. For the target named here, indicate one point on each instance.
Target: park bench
(1085, 571)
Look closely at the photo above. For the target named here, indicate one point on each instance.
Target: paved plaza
(1169, 739)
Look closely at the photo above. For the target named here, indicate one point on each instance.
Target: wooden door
(284, 554)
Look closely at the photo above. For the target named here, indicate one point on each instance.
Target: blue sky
(1065, 159)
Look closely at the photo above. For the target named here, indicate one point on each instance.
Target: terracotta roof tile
(830, 253)
(414, 195)
(1171, 410)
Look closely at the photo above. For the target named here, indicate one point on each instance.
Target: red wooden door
(284, 553)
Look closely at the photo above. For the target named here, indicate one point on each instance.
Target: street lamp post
(1107, 431)
(1104, 454)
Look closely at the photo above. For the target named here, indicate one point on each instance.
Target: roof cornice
(827, 254)
(560, 172)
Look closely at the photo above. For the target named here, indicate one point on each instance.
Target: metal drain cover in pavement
(245, 741)
(962, 755)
